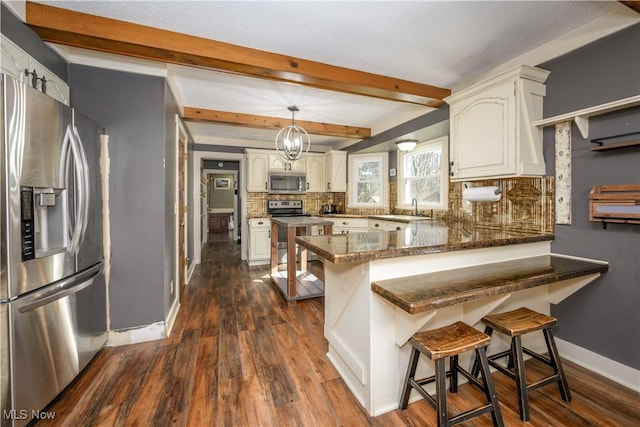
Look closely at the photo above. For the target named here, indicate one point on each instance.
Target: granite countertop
(418, 238)
(430, 291)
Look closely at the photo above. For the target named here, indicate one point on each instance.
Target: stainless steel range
(284, 208)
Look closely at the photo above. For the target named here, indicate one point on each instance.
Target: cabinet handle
(269, 233)
(345, 223)
(377, 225)
(307, 185)
(398, 228)
(328, 186)
(260, 223)
(265, 185)
(451, 168)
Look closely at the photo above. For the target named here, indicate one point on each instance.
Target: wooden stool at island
(515, 324)
(437, 345)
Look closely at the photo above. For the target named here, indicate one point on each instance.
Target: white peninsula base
(368, 335)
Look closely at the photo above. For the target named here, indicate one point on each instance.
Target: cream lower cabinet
(259, 241)
(491, 125)
(350, 225)
(375, 224)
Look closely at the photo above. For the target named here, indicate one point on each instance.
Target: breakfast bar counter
(381, 287)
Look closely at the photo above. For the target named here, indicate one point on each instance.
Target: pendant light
(292, 141)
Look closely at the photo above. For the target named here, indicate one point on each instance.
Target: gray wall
(132, 109)
(603, 316)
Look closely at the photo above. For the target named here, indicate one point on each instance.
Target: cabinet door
(336, 171)
(483, 129)
(278, 164)
(55, 86)
(315, 173)
(14, 60)
(257, 172)
(259, 240)
(260, 244)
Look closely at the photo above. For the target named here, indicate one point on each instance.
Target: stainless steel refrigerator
(52, 289)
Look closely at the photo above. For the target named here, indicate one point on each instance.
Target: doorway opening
(222, 200)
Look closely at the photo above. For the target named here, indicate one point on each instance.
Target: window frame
(443, 144)
(353, 161)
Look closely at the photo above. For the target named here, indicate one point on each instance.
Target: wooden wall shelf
(615, 203)
(619, 144)
(581, 117)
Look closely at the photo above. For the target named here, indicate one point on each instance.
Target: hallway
(240, 356)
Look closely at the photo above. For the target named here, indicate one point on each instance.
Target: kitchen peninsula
(295, 283)
(382, 287)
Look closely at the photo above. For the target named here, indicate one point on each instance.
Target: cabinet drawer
(259, 223)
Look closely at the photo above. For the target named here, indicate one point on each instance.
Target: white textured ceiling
(441, 43)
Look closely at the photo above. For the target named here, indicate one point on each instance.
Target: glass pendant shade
(406, 145)
(292, 141)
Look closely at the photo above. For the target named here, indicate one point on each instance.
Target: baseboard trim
(155, 331)
(171, 318)
(615, 371)
(190, 270)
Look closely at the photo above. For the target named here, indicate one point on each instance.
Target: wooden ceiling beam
(633, 5)
(66, 27)
(274, 123)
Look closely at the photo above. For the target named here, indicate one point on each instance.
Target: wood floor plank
(239, 355)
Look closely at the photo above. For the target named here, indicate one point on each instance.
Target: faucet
(415, 202)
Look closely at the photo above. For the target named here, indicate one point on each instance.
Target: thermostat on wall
(392, 172)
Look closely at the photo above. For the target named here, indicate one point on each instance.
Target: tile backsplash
(526, 204)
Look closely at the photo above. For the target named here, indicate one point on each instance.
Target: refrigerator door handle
(68, 146)
(60, 289)
(83, 209)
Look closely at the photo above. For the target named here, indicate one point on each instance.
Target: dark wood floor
(240, 356)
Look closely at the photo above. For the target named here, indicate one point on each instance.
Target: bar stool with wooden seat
(515, 324)
(437, 345)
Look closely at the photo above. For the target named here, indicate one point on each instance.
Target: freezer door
(55, 332)
(39, 189)
(90, 250)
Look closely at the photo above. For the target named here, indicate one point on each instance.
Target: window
(368, 182)
(423, 175)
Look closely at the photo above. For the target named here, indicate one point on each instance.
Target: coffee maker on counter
(329, 209)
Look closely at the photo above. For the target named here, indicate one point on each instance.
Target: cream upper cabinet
(491, 124)
(315, 171)
(278, 164)
(257, 171)
(335, 171)
(15, 61)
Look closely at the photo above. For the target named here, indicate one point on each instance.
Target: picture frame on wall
(222, 184)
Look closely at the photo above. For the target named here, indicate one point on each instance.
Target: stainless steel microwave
(289, 183)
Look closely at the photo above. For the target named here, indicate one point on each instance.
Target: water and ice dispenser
(43, 222)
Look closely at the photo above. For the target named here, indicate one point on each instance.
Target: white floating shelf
(581, 117)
